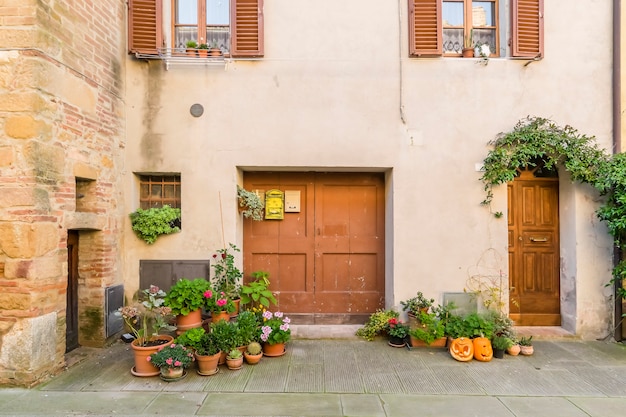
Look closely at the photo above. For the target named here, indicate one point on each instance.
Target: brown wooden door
(326, 262)
(534, 250)
(71, 308)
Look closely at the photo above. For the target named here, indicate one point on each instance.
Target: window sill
(177, 57)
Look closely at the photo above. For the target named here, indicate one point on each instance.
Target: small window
(157, 191)
(202, 21)
(468, 23)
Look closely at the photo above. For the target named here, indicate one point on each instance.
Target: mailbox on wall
(274, 205)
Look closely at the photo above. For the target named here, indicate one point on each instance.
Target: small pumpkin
(482, 349)
(462, 349)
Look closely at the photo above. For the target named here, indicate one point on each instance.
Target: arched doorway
(533, 228)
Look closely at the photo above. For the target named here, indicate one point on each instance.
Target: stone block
(21, 127)
(16, 196)
(28, 240)
(22, 102)
(82, 170)
(14, 301)
(30, 344)
(39, 269)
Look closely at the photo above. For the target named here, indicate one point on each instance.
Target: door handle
(538, 239)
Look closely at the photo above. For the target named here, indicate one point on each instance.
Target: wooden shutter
(527, 30)
(425, 28)
(144, 26)
(247, 28)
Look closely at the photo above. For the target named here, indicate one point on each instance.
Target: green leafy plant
(172, 356)
(251, 204)
(501, 342)
(225, 334)
(536, 141)
(376, 324)
(203, 46)
(151, 223)
(191, 44)
(248, 327)
(226, 276)
(191, 338)
(454, 327)
(234, 354)
(148, 315)
(257, 293)
(187, 295)
(396, 328)
(526, 341)
(429, 328)
(477, 325)
(416, 304)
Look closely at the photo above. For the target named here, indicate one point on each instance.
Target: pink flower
(221, 302)
(148, 358)
(278, 314)
(169, 361)
(208, 294)
(177, 363)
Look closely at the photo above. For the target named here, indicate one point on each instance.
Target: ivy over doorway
(536, 140)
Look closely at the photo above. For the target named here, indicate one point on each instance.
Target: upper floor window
(469, 23)
(157, 190)
(444, 27)
(203, 21)
(236, 26)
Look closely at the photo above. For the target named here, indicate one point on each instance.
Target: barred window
(156, 191)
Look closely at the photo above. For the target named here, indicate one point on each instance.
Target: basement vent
(113, 299)
(465, 303)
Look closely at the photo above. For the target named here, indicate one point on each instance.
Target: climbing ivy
(536, 140)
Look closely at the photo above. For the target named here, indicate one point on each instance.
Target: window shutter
(144, 26)
(247, 28)
(527, 28)
(425, 28)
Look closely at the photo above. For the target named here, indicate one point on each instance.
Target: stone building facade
(62, 130)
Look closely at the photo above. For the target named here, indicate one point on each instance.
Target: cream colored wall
(336, 90)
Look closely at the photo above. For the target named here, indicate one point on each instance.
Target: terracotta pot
(191, 52)
(142, 366)
(171, 373)
(222, 359)
(252, 359)
(441, 342)
(234, 364)
(514, 350)
(215, 52)
(277, 349)
(468, 52)
(190, 321)
(222, 315)
(203, 53)
(207, 364)
(527, 350)
(237, 303)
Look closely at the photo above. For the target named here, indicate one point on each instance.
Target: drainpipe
(617, 140)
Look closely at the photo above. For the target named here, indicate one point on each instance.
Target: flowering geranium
(275, 328)
(226, 276)
(218, 301)
(172, 356)
(148, 316)
(396, 328)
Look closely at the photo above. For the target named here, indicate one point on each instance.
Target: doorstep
(544, 332)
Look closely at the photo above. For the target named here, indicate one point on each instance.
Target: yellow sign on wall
(274, 205)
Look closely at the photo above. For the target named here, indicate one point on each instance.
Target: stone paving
(323, 377)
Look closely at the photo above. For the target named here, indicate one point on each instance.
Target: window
(235, 25)
(203, 21)
(440, 27)
(156, 191)
(467, 22)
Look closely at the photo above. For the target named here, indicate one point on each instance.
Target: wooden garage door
(326, 262)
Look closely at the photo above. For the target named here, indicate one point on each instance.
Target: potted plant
(214, 50)
(500, 344)
(275, 333)
(526, 346)
(234, 359)
(250, 204)
(205, 348)
(191, 338)
(515, 348)
(468, 46)
(397, 331)
(172, 361)
(203, 50)
(376, 324)
(226, 276)
(151, 223)
(247, 327)
(146, 318)
(191, 47)
(218, 304)
(413, 307)
(256, 293)
(429, 332)
(186, 299)
(253, 353)
(225, 334)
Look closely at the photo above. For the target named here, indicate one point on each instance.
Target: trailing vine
(536, 140)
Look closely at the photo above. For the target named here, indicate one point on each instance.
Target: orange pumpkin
(462, 349)
(482, 349)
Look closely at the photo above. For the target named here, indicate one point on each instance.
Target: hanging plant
(151, 223)
(251, 204)
(535, 141)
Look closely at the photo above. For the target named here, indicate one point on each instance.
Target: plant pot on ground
(500, 344)
(253, 353)
(526, 346)
(234, 359)
(428, 330)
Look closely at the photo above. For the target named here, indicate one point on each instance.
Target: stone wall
(61, 119)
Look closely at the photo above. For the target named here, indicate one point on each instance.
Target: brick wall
(61, 117)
